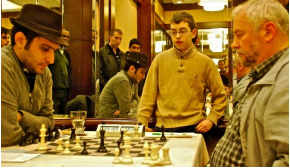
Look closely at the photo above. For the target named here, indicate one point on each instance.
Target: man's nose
(50, 58)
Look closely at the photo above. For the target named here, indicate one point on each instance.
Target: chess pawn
(77, 146)
(158, 162)
(117, 159)
(42, 146)
(66, 150)
(59, 148)
(146, 151)
(166, 157)
(136, 137)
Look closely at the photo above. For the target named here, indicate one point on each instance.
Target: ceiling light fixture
(213, 5)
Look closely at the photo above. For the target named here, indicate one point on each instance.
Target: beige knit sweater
(175, 89)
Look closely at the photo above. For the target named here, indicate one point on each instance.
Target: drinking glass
(78, 119)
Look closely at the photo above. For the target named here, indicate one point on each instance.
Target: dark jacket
(108, 65)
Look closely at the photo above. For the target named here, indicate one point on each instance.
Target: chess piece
(102, 147)
(56, 132)
(159, 162)
(119, 143)
(127, 145)
(23, 141)
(35, 138)
(116, 159)
(146, 151)
(66, 150)
(59, 148)
(77, 146)
(122, 137)
(166, 157)
(136, 136)
(42, 146)
(162, 138)
(73, 134)
(154, 152)
(28, 138)
(84, 151)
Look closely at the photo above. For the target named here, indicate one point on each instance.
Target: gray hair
(259, 12)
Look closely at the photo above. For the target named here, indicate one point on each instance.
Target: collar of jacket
(111, 50)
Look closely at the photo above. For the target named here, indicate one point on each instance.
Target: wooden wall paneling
(146, 27)
(104, 22)
(78, 20)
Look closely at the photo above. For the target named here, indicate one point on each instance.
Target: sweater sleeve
(148, 99)
(11, 129)
(218, 93)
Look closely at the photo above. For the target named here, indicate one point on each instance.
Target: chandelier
(213, 5)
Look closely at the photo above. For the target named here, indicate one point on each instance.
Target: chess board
(93, 144)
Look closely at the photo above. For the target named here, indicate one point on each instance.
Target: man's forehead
(65, 32)
(180, 25)
(117, 34)
(135, 45)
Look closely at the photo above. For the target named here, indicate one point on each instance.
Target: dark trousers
(60, 98)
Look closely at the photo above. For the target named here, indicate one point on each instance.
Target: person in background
(61, 77)
(242, 77)
(134, 46)
(223, 71)
(26, 84)
(119, 98)
(94, 63)
(176, 83)
(111, 58)
(258, 133)
(5, 39)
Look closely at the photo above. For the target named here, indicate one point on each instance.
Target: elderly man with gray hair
(258, 133)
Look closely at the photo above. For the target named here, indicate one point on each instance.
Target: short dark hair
(4, 30)
(30, 35)
(222, 60)
(186, 17)
(134, 41)
(129, 63)
(116, 30)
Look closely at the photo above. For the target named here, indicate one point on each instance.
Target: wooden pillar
(146, 26)
(78, 20)
(107, 20)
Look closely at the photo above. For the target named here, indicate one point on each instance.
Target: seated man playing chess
(26, 90)
(120, 94)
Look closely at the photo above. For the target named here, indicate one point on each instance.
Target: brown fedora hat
(139, 58)
(41, 20)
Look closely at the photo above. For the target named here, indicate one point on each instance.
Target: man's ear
(269, 31)
(20, 39)
(194, 32)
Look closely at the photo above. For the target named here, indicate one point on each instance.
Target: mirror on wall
(214, 35)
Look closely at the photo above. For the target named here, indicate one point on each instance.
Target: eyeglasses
(65, 36)
(181, 32)
(4, 37)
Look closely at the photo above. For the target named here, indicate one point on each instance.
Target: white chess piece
(59, 148)
(66, 150)
(146, 151)
(77, 146)
(42, 146)
(127, 145)
(154, 152)
(158, 162)
(117, 159)
(136, 136)
(166, 157)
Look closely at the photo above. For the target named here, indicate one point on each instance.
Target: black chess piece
(28, 138)
(119, 143)
(56, 132)
(50, 134)
(84, 151)
(23, 141)
(102, 147)
(35, 138)
(122, 137)
(62, 127)
(73, 134)
(162, 138)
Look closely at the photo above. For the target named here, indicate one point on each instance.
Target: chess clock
(114, 130)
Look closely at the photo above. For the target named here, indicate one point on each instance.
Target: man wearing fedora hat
(120, 94)
(26, 84)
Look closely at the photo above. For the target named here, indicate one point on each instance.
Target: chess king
(26, 84)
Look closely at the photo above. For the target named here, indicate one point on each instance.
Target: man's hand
(116, 112)
(19, 116)
(204, 126)
(147, 129)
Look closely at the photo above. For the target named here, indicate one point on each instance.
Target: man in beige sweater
(175, 88)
